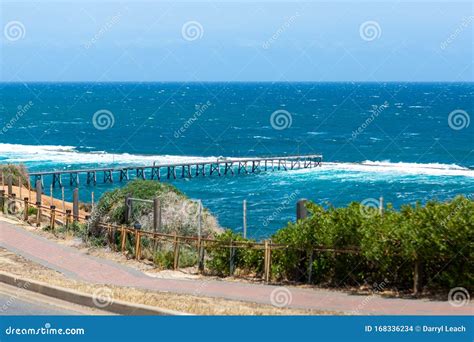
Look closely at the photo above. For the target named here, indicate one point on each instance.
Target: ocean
(406, 142)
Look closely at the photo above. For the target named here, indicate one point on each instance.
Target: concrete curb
(115, 306)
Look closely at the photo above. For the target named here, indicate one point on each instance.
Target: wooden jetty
(219, 167)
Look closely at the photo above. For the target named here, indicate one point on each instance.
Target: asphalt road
(16, 301)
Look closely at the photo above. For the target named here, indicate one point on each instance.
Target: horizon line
(208, 82)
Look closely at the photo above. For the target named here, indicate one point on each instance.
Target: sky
(147, 41)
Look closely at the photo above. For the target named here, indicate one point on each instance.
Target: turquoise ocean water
(403, 141)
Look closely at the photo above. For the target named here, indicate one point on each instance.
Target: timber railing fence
(141, 244)
(230, 254)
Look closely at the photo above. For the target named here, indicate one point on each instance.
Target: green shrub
(112, 203)
(32, 211)
(187, 257)
(164, 259)
(178, 213)
(19, 173)
(370, 248)
(245, 260)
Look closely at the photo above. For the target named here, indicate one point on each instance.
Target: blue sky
(239, 41)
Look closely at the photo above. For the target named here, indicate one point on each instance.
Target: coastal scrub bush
(164, 259)
(178, 213)
(32, 210)
(18, 172)
(357, 245)
(244, 260)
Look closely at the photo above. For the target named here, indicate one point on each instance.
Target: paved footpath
(78, 265)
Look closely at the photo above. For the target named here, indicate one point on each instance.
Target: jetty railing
(219, 167)
(140, 244)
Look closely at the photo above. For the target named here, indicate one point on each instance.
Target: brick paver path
(75, 264)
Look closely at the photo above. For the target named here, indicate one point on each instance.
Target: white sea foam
(45, 155)
(68, 155)
(431, 169)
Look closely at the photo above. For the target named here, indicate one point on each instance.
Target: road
(16, 301)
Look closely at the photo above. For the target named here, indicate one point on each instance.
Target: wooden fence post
(201, 252)
(68, 218)
(310, 266)
(39, 192)
(2, 200)
(26, 209)
(20, 186)
(38, 214)
(29, 188)
(87, 220)
(109, 235)
(417, 276)
(10, 185)
(75, 205)
(156, 215)
(176, 252)
(137, 244)
(12, 204)
(232, 258)
(301, 210)
(51, 198)
(124, 236)
(199, 203)
(52, 222)
(112, 239)
(128, 209)
(244, 210)
(267, 260)
(156, 222)
(63, 200)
